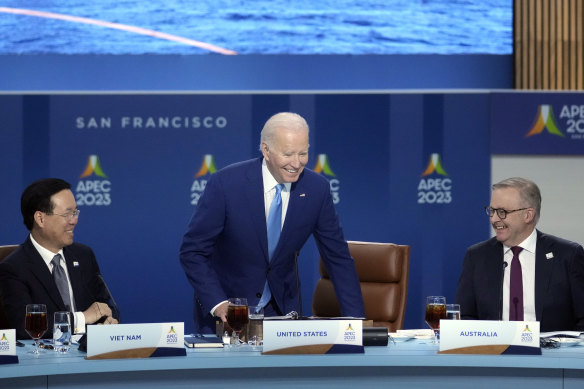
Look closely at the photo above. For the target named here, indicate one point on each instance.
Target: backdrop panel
(537, 123)
(405, 168)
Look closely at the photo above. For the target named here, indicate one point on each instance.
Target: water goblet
(237, 317)
(35, 323)
(435, 310)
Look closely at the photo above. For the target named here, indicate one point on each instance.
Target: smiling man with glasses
(49, 268)
(521, 273)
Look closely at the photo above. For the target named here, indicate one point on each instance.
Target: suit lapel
(543, 272)
(496, 270)
(40, 270)
(255, 205)
(74, 273)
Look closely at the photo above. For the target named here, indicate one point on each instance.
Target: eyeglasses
(69, 215)
(502, 213)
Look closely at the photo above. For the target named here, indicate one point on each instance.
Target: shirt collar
(269, 180)
(47, 255)
(528, 244)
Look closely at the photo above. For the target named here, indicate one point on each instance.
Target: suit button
(268, 271)
(258, 295)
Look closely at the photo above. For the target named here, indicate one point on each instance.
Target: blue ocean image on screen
(261, 27)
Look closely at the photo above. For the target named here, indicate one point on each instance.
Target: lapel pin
(302, 194)
(75, 264)
(549, 255)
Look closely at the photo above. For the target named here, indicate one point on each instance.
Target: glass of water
(62, 332)
(255, 333)
(453, 311)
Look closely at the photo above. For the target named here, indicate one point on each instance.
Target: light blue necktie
(274, 226)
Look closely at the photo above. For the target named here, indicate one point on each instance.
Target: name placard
(8, 346)
(489, 337)
(313, 336)
(135, 340)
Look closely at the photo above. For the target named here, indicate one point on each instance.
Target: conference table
(412, 364)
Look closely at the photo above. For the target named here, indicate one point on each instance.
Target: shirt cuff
(79, 322)
(215, 307)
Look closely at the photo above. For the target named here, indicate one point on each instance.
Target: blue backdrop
(404, 168)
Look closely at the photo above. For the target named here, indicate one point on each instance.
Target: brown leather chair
(383, 270)
(4, 252)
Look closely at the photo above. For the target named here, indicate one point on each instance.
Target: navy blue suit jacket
(225, 249)
(26, 279)
(559, 283)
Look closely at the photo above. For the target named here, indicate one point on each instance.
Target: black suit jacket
(559, 283)
(25, 279)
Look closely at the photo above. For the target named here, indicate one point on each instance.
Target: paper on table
(565, 334)
(419, 332)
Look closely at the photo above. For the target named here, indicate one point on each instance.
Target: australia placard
(135, 340)
(489, 337)
(313, 336)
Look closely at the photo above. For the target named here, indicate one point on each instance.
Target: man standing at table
(522, 273)
(230, 250)
(48, 268)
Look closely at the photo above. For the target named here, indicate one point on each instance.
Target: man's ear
(39, 218)
(265, 151)
(529, 215)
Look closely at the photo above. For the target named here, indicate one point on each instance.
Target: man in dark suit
(551, 269)
(225, 251)
(48, 268)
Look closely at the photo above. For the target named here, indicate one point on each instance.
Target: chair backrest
(383, 270)
(6, 250)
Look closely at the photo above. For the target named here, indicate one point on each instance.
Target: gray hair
(528, 191)
(288, 120)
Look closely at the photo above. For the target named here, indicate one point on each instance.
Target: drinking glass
(62, 332)
(35, 323)
(435, 310)
(453, 311)
(255, 333)
(237, 317)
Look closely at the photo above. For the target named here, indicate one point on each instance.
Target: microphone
(505, 264)
(115, 311)
(298, 285)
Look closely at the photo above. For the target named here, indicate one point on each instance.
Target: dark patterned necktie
(61, 281)
(516, 287)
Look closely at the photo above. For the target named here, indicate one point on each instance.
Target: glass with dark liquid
(435, 311)
(35, 323)
(237, 317)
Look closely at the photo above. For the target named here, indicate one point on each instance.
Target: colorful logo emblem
(207, 167)
(3, 337)
(545, 120)
(172, 331)
(350, 328)
(322, 166)
(93, 167)
(434, 166)
(435, 189)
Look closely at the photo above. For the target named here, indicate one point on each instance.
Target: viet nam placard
(135, 340)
